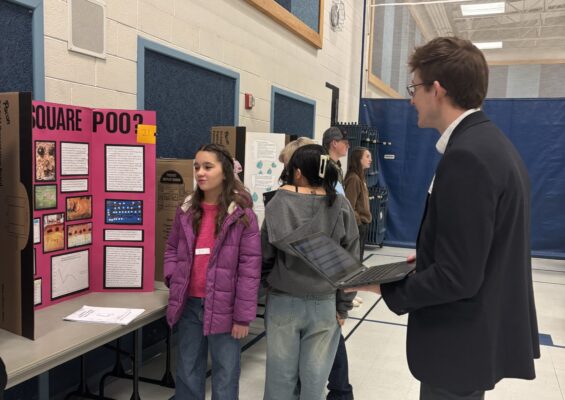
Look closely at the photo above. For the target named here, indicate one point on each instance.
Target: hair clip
(324, 159)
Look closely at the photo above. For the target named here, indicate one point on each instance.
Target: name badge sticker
(200, 252)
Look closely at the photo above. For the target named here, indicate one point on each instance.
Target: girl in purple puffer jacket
(212, 268)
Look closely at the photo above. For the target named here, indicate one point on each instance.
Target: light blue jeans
(193, 358)
(302, 339)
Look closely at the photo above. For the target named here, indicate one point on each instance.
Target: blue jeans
(193, 358)
(302, 338)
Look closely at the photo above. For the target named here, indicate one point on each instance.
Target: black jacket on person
(472, 315)
(3, 378)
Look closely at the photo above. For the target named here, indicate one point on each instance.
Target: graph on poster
(69, 273)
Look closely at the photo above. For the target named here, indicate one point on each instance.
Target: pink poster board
(94, 201)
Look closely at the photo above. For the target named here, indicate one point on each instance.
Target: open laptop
(340, 268)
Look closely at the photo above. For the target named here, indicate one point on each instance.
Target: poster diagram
(69, 273)
(262, 166)
(124, 212)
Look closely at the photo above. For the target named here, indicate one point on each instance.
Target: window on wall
(292, 114)
(200, 96)
(523, 62)
(394, 34)
(303, 17)
(16, 49)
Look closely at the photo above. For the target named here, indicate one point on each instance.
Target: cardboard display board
(233, 138)
(175, 181)
(258, 154)
(16, 227)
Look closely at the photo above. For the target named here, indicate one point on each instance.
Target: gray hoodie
(290, 216)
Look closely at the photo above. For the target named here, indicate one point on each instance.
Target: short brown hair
(457, 65)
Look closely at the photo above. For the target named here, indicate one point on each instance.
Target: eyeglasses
(411, 89)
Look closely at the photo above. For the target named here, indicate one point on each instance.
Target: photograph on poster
(36, 230)
(45, 197)
(124, 212)
(37, 292)
(69, 273)
(123, 235)
(45, 161)
(79, 235)
(125, 168)
(53, 232)
(123, 267)
(74, 158)
(79, 207)
(74, 185)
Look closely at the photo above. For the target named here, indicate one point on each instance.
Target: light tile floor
(376, 349)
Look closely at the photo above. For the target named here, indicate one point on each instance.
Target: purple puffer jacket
(234, 270)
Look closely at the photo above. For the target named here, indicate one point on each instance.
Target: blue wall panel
(189, 100)
(16, 50)
(535, 126)
(292, 114)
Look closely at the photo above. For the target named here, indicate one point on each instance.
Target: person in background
(291, 147)
(472, 318)
(304, 311)
(212, 267)
(288, 151)
(357, 192)
(237, 169)
(336, 143)
(3, 378)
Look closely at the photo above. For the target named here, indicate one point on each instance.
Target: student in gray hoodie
(304, 312)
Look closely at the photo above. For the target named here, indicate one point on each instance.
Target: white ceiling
(532, 31)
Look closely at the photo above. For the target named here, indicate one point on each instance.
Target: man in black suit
(3, 378)
(472, 318)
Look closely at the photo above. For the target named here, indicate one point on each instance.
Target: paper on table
(105, 315)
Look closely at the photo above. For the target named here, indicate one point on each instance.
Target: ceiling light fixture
(488, 45)
(469, 10)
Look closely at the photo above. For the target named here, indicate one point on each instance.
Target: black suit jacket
(472, 316)
(3, 378)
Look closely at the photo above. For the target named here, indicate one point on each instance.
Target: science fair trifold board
(92, 200)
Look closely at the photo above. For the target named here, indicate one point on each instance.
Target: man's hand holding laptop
(377, 288)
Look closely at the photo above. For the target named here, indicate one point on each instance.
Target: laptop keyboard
(374, 273)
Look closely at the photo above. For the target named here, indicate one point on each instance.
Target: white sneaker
(355, 303)
(358, 299)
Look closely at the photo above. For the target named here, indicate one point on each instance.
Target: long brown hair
(233, 191)
(354, 163)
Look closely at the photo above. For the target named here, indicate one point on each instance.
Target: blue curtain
(535, 126)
